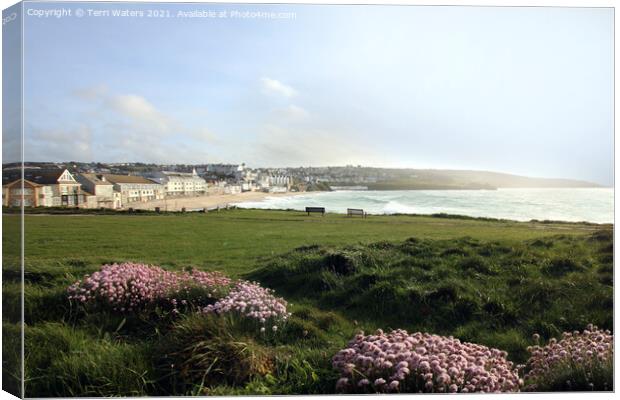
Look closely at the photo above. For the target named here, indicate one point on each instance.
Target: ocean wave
(395, 207)
(523, 205)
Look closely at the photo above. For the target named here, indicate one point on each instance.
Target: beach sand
(210, 201)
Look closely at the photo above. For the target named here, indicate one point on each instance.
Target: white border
(502, 3)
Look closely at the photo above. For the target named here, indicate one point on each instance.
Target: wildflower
(342, 383)
(582, 348)
(252, 301)
(130, 286)
(443, 364)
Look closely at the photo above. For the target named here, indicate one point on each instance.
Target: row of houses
(61, 188)
(179, 183)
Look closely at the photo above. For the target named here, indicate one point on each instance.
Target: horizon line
(320, 166)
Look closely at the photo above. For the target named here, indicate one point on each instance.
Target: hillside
(488, 281)
(501, 180)
(428, 179)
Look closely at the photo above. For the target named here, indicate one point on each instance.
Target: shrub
(579, 361)
(421, 362)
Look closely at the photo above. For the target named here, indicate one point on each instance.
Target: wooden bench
(356, 211)
(315, 210)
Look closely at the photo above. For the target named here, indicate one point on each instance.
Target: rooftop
(97, 179)
(128, 179)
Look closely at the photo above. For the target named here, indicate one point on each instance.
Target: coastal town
(119, 186)
(175, 187)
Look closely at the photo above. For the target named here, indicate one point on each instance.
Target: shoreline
(208, 201)
(289, 201)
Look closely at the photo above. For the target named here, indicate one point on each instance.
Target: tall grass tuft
(206, 350)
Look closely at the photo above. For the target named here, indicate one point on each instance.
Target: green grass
(233, 241)
(65, 362)
(489, 281)
(481, 291)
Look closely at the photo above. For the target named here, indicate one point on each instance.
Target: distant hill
(460, 179)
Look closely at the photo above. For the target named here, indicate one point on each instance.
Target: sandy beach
(208, 202)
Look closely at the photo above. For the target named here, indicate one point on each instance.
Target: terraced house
(135, 188)
(104, 195)
(180, 183)
(47, 188)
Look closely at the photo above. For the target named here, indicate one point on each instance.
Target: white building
(179, 183)
(249, 187)
(135, 188)
(275, 181)
(233, 189)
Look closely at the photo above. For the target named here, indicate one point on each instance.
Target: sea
(583, 204)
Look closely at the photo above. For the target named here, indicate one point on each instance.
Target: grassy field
(234, 241)
(495, 282)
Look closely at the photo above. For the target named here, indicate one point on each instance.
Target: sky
(519, 90)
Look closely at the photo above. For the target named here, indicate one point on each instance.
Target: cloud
(73, 144)
(293, 136)
(121, 127)
(117, 127)
(273, 86)
(204, 134)
(141, 113)
(298, 145)
(293, 113)
(124, 144)
(91, 93)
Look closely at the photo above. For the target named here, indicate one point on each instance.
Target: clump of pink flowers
(251, 300)
(584, 350)
(422, 362)
(131, 287)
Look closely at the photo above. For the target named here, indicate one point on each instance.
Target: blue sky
(520, 90)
